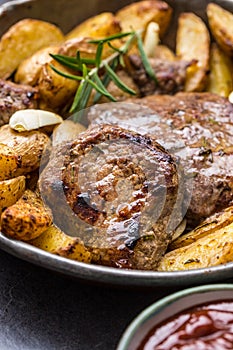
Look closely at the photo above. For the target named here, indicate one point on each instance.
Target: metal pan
(67, 14)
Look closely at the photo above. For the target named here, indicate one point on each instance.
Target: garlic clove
(151, 39)
(230, 97)
(31, 119)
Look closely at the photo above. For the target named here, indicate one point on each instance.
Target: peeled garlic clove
(31, 119)
(230, 97)
(151, 39)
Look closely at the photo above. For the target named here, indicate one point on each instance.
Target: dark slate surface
(43, 310)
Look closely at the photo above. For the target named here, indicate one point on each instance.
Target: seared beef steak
(117, 191)
(14, 97)
(204, 123)
(170, 75)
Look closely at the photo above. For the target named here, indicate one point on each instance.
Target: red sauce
(206, 327)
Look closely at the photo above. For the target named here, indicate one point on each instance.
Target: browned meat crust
(14, 97)
(114, 181)
(170, 76)
(204, 123)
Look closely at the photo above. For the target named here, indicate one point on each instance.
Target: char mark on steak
(14, 97)
(106, 187)
(204, 123)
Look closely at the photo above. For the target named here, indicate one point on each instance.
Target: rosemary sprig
(105, 81)
(111, 37)
(119, 83)
(144, 58)
(88, 70)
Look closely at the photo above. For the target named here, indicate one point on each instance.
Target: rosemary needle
(88, 70)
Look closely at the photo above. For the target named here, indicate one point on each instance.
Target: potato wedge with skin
(22, 40)
(99, 26)
(138, 15)
(29, 147)
(11, 190)
(221, 26)
(193, 43)
(210, 225)
(211, 250)
(220, 79)
(27, 218)
(86, 49)
(28, 71)
(55, 241)
(163, 52)
(9, 162)
(55, 90)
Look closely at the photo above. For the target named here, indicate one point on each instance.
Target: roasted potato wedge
(9, 161)
(213, 249)
(10, 191)
(99, 26)
(28, 146)
(86, 49)
(55, 241)
(22, 40)
(220, 79)
(28, 71)
(210, 225)
(138, 15)
(163, 52)
(221, 26)
(191, 29)
(27, 218)
(55, 90)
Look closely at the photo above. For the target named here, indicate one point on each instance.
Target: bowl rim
(158, 306)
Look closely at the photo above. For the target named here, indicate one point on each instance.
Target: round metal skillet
(10, 13)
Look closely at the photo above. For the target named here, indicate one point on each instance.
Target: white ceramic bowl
(169, 307)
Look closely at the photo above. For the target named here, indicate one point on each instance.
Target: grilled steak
(14, 97)
(107, 187)
(204, 123)
(170, 76)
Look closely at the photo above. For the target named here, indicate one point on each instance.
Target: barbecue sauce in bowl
(205, 327)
